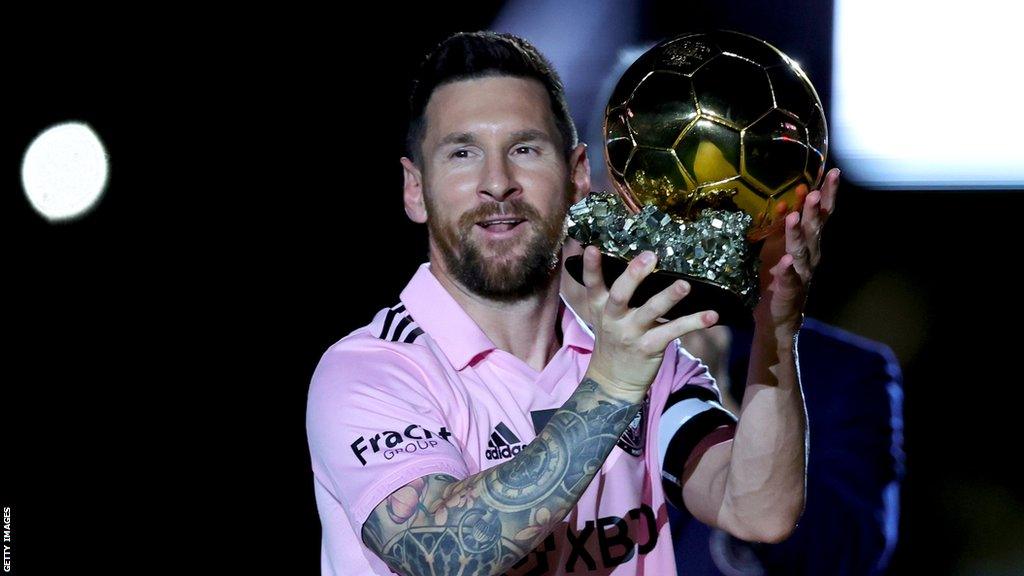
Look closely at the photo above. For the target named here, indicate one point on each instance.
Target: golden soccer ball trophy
(711, 138)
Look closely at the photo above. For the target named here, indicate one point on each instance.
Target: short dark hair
(469, 55)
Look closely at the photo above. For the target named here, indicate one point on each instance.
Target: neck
(526, 328)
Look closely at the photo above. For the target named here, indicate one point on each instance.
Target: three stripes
(399, 326)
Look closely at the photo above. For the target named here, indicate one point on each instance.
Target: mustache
(516, 207)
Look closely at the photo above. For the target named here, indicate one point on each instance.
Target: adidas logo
(503, 444)
(399, 326)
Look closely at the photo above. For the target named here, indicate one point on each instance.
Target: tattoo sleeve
(487, 522)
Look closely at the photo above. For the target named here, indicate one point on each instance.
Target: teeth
(493, 222)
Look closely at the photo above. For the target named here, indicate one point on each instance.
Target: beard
(518, 267)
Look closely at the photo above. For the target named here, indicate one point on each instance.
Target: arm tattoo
(488, 522)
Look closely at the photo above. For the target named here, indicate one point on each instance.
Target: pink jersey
(422, 390)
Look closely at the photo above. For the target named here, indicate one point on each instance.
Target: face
(495, 186)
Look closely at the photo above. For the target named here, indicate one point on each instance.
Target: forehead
(489, 104)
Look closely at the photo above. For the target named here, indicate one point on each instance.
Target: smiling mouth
(500, 225)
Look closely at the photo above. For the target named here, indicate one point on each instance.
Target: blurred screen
(927, 94)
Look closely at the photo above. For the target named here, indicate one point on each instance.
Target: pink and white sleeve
(375, 422)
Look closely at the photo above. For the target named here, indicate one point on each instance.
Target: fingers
(669, 331)
(622, 290)
(660, 304)
(829, 188)
(803, 229)
(796, 247)
(788, 289)
(786, 274)
(614, 302)
(593, 279)
(811, 222)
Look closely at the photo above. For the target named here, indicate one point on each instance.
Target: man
(479, 427)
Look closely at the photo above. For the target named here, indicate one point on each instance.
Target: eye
(525, 150)
(460, 153)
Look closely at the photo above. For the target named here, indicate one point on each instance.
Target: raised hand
(791, 254)
(630, 342)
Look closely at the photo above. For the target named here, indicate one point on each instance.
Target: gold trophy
(711, 138)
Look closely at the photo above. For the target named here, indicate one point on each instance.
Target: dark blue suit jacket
(853, 390)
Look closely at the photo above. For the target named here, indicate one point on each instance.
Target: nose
(499, 180)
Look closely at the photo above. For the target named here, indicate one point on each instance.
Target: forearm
(487, 522)
(765, 483)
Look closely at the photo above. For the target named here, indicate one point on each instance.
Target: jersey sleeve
(692, 421)
(375, 421)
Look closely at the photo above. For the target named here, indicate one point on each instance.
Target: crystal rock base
(703, 295)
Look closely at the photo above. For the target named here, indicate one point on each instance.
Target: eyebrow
(529, 135)
(458, 138)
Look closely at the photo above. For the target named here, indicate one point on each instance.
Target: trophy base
(703, 294)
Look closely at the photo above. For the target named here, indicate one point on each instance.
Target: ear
(415, 205)
(579, 170)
